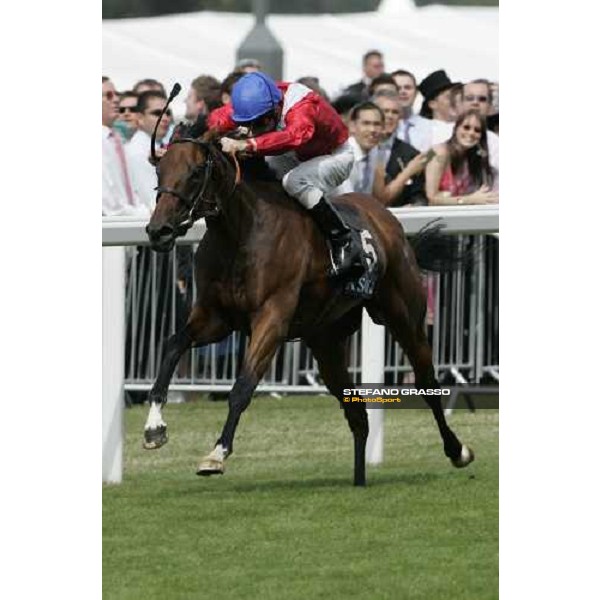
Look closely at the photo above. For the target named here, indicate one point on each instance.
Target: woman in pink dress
(460, 172)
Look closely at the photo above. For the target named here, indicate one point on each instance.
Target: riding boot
(344, 254)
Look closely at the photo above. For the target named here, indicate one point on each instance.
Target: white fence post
(372, 356)
(113, 362)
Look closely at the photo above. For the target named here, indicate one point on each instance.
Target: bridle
(192, 203)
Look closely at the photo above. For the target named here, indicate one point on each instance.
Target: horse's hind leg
(403, 310)
(331, 356)
(203, 327)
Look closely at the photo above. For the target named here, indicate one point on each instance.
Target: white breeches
(309, 181)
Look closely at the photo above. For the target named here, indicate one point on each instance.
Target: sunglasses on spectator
(468, 128)
(158, 112)
(472, 98)
(124, 109)
(110, 95)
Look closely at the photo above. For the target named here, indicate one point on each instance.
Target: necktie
(407, 132)
(121, 154)
(365, 174)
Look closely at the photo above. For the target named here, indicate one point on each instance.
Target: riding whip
(176, 89)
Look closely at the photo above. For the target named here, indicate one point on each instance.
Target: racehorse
(262, 268)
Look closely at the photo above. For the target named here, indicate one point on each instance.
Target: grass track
(284, 522)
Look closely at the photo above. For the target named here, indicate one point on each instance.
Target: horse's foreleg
(331, 357)
(268, 328)
(203, 327)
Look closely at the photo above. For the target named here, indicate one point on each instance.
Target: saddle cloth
(360, 282)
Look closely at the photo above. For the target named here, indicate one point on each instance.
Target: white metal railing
(118, 232)
(130, 231)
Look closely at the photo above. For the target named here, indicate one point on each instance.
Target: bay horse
(262, 268)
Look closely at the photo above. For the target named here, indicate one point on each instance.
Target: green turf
(284, 522)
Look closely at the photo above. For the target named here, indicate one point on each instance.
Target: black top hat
(435, 83)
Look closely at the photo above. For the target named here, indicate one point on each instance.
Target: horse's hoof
(155, 438)
(210, 466)
(466, 457)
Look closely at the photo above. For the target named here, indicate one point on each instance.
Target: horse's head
(192, 176)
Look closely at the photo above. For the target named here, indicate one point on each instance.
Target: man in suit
(399, 178)
(413, 128)
(373, 66)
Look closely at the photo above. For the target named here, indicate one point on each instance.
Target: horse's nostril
(157, 233)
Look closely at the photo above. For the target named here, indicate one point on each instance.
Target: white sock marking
(154, 417)
(218, 453)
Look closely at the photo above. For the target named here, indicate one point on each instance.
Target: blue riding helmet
(252, 96)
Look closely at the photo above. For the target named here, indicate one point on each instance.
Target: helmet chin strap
(176, 89)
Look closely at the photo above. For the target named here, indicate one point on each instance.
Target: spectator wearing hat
(413, 129)
(436, 90)
(372, 66)
(439, 104)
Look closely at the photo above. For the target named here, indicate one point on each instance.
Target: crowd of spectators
(445, 153)
(415, 143)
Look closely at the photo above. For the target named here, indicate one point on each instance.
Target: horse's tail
(441, 252)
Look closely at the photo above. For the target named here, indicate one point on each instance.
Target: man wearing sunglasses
(306, 144)
(117, 194)
(149, 107)
(126, 123)
(477, 95)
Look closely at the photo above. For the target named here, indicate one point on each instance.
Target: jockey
(306, 144)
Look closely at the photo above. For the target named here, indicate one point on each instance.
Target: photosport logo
(379, 395)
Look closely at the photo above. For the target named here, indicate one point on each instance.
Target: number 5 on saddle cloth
(361, 282)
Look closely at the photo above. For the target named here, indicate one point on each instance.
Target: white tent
(464, 41)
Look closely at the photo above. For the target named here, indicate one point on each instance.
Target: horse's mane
(253, 168)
